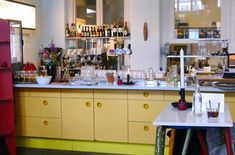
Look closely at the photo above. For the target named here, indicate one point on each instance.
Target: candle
(181, 68)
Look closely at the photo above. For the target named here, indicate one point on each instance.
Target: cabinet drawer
(145, 95)
(110, 94)
(38, 107)
(76, 93)
(140, 110)
(174, 96)
(44, 92)
(142, 133)
(38, 127)
(229, 97)
(21, 91)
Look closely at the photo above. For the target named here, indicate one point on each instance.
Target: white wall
(145, 53)
(53, 22)
(32, 39)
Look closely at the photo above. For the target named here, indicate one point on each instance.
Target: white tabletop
(173, 117)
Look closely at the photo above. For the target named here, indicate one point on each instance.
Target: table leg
(202, 142)
(186, 142)
(172, 141)
(228, 141)
(160, 140)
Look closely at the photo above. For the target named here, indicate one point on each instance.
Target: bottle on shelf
(79, 31)
(83, 32)
(120, 30)
(67, 31)
(197, 101)
(97, 31)
(114, 30)
(125, 30)
(109, 31)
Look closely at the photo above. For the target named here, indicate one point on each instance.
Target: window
(19, 11)
(195, 19)
(86, 12)
(113, 11)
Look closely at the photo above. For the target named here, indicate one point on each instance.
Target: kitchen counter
(120, 87)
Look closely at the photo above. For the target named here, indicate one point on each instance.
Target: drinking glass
(212, 109)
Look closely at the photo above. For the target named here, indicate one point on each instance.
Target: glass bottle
(125, 30)
(197, 101)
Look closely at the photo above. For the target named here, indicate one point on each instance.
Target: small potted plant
(110, 78)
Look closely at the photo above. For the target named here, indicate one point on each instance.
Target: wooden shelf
(198, 56)
(84, 38)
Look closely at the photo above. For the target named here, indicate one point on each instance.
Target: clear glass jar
(197, 102)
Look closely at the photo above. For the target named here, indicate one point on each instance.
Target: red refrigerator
(7, 126)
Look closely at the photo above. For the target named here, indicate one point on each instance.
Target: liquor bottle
(83, 32)
(67, 31)
(125, 30)
(97, 31)
(71, 30)
(197, 101)
(109, 32)
(79, 31)
(114, 30)
(101, 31)
(120, 30)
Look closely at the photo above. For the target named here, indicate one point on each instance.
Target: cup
(212, 109)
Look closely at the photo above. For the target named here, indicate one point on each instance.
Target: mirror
(196, 19)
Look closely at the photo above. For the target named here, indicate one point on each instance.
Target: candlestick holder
(182, 103)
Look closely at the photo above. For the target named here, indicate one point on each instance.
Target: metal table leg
(160, 140)
(228, 141)
(186, 142)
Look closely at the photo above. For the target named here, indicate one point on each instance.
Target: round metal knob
(146, 106)
(45, 123)
(146, 128)
(99, 105)
(88, 104)
(45, 102)
(146, 94)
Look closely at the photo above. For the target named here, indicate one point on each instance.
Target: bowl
(43, 80)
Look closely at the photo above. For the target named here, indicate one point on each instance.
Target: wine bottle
(125, 30)
(114, 30)
(67, 31)
(197, 102)
(120, 30)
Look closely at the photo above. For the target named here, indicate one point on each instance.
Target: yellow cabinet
(38, 112)
(142, 132)
(21, 92)
(110, 120)
(173, 96)
(230, 100)
(38, 107)
(111, 94)
(145, 95)
(144, 110)
(38, 127)
(77, 119)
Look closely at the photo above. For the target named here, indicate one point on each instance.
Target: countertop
(120, 87)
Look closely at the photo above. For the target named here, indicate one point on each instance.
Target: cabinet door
(38, 107)
(77, 119)
(230, 100)
(142, 132)
(111, 120)
(38, 127)
(144, 110)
